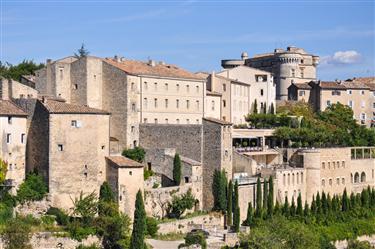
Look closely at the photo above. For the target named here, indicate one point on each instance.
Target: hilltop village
(78, 120)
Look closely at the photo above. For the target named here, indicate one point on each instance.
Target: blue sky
(193, 34)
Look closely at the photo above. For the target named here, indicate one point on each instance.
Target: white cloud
(342, 57)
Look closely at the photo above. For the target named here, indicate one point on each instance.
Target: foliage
(355, 244)
(270, 198)
(32, 189)
(219, 188)
(255, 107)
(147, 174)
(266, 121)
(152, 226)
(3, 170)
(196, 238)
(115, 230)
(93, 246)
(177, 169)
(82, 52)
(80, 231)
(170, 236)
(230, 203)
(137, 154)
(105, 193)
(6, 213)
(258, 210)
(85, 206)
(236, 209)
(26, 67)
(61, 217)
(17, 234)
(250, 215)
(139, 225)
(180, 204)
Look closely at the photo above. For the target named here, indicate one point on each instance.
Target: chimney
(151, 63)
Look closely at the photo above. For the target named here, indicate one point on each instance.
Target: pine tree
(306, 210)
(293, 208)
(299, 205)
(236, 210)
(265, 194)
(258, 211)
(177, 169)
(250, 215)
(285, 210)
(82, 52)
(345, 201)
(272, 109)
(139, 224)
(270, 198)
(230, 204)
(255, 107)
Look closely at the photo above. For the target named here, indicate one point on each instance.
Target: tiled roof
(7, 108)
(302, 85)
(213, 93)
(122, 161)
(331, 85)
(59, 106)
(368, 81)
(218, 121)
(162, 70)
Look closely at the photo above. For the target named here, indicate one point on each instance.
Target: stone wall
(186, 225)
(186, 139)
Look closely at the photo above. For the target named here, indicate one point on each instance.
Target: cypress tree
(364, 198)
(265, 194)
(345, 202)
(306, 210)
(324, 203)
(265, 108)
(270, 198)
(299, 205)
(255, 107)
(373, 197)
(313, 205)
(276, 210)
(285, 210)
(272, 109)
(236, 211)
(329, 204)
(318, 204)
(105, 193)
(353, 203)
(258, 211)
(230, 204)
(293, 208)
(250, 215)
(219, 191)
(177, 169)
(139, 224)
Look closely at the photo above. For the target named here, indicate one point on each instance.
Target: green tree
(299, 205)
(345, 202)
(17, 235)
(26, 67)
(236, 209)
(265, 194)
(137, 154)
(85, 206)
(180, 204)
(250, 215)
(324, 203)
(32, 189)
(306, 210)
(272, 109)
(365, 198)
(255, 107)
(318, 204)
(152, 226)
(139, 224)
(3, 170)
(194, 238)
(270, 197)
(258, 210)
(82, 52)
(313, 206)
(230, 203)
(105, 193)
(293, 208)
(177, 169)
(285, 210)
(219, 188)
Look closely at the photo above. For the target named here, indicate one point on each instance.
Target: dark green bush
(136, 154)
(194, 238)
(152, 226)
(32, 189)
(61, 217)
(6, 213)
(16, 234)
(79, 231)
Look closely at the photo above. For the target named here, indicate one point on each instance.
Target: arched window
(363, 177)
(297, 178)
(288, 179)
(351, 177)
(356, 177)
(293, 178)
(323, 182)
(284, 179)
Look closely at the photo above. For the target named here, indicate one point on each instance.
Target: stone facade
(11, 89)
(293, 65)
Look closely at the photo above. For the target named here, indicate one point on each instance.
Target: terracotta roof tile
(163, 70)
(331, 85)
(213, 93)
(218, 121)
(302, 85)
(59, 106)
(124, 162)
(7, 108)
(368, 81)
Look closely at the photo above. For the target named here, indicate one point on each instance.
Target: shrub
(78, 231)
(61, 217)
(136, 154)
(48, 219)
(85, 206)
(180, 204)
(16, 235)
(151, 226)
(30, 220)
(93, 246)
(156, 185)
(147, 174)
(32, 189)
(6, 213)
(196, 238)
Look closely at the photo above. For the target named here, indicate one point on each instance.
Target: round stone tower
(288, 72)
(311, 163)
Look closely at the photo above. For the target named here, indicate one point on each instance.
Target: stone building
(357, 93)
(125, 176)
(68, 144)
(12, 89)
(209, 144)
(213, 105)
(13, 142)
(293, 65)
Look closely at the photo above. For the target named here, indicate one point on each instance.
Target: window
(178, 87)
(155, 120)
(224, 87)
(297, 178)
(145, 85)
(145, 103)
(197, 105)
(301, 93)
(224, 103)
(373, 105)
(261, 92)
(197, 88)
(130, 173)
(338, 180)
(362, 92)
(213, 105)
(9, 138)
(323, 165)
(9, 120)
(197, 121)
(166, 86)
(133, 107)
(61, 70)
(132, 129)
(328, 103)
(60, 147)
(155, 86)
(187, 88)
(177, 121)
(336, 92)
(338, 164)
(23, 138)
(74, 123)
(363, 116)
(166, 103)
(288, 179)
(166, 121)
(187, 121)
(333, 165)
(177, 103)
(302, 73)
(343, 180)
(293, 72)
(284, 179)
(132, 86)
(145, 120)
(187, 104)
(330, 181)
(323, 182)
(329, 165)
(349, 92)
(75, 86)
(301, 177)
(343, 164)
(350, 104)
(156, 103)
